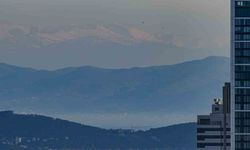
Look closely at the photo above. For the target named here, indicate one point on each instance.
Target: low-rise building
(213, 130)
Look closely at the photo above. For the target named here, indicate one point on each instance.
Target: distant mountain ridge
(39, 132)
(90, 89)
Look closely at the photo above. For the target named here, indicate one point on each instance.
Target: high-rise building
(213, 130)
(240, 74)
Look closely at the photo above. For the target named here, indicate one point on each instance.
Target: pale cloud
(6, 28)
(100, 32)
(199, 42)
(198, 27)
(140, 35)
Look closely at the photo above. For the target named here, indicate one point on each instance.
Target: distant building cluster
(31, 142)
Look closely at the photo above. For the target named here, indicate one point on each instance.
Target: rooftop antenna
(217, 101)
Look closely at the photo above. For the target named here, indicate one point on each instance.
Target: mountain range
(90, 90)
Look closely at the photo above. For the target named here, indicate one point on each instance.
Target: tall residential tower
(240, 75)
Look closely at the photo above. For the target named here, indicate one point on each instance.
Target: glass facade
(241, 74)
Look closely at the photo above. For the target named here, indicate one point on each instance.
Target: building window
(239, 3)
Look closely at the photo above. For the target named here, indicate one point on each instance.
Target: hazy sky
(183, 29)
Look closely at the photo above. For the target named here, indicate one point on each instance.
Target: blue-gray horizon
(52, 34)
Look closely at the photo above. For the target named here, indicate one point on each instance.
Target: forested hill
(39, 132)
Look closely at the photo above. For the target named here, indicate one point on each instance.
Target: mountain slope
(87, 89)
(39, 132)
